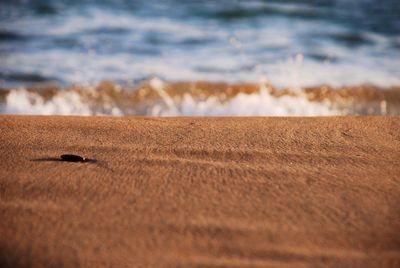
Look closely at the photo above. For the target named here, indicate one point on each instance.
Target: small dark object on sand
(67, 158)
(73, 158)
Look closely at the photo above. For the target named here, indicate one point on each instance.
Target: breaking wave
(156, 98)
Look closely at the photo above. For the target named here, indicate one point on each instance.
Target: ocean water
(290, 44)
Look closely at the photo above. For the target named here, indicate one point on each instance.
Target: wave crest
(156, 98)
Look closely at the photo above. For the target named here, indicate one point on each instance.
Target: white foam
(21, 101)
(257, 104)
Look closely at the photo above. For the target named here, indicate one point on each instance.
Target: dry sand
(207, 192)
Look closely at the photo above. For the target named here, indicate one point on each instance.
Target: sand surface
(200, 192)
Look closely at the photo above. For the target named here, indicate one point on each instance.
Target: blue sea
(290, 44)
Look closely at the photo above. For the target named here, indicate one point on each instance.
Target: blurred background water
(290, 43)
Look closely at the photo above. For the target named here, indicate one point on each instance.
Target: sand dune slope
(200, 192)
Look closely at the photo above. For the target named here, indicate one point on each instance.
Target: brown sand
(207, 192)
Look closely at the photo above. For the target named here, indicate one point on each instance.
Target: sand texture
(200, 192)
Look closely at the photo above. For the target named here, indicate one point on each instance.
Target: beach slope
(200, 192)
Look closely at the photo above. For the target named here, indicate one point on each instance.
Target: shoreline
(189, 192)
(158, 98)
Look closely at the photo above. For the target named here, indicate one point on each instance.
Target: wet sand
(200, 192)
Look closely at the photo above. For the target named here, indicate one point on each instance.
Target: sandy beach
(200, 192)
